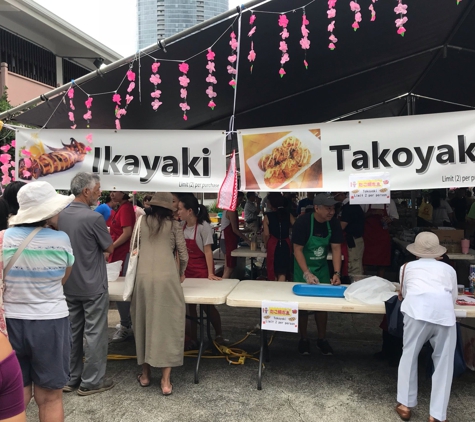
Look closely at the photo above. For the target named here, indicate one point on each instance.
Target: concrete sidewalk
(348, 387)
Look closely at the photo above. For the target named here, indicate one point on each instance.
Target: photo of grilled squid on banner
(42, 163)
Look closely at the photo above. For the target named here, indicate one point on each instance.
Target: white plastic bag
(370, 291)
(113, 270)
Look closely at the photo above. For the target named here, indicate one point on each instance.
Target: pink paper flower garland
(88, 115)
(117, 99)
(283, 22)
(252, 54)
(211, 79)
(331, 13)
(305, 42)
(8, 164)
(373, 12)
(155, 80)
(232, 59)
(71, 106)
(184, 81)
(89, 141)
(355, 7)
(401, 9)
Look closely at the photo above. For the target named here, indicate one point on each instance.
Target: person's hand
(336, 280)
(106, 256)
(310, 278)
(211, 276)
(182, 278)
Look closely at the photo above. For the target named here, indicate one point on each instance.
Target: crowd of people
(55, 293)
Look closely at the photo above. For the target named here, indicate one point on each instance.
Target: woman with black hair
(158, 304)
(277, 225)
(199, 238)
(10, 195)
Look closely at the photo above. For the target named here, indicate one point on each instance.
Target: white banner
(419, 152)
(130, 160)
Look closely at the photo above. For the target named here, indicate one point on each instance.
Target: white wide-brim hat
(426, 245)
(38, 201)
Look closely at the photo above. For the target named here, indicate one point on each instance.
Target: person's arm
(233, 219)
(300, 258)
(292, 220)
(336, 259)
(66, 274)
(180, 246)
(343, 224)
(210, 263)
(124, 237)
(265, 226)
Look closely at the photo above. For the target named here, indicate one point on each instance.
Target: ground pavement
(348, 387)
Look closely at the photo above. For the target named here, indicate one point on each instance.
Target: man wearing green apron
(312, 235)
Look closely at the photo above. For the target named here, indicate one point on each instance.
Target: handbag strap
(402, 281)
(20, 250)
(136, 235)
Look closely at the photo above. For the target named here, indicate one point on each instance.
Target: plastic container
(320, 290)
(461, 289)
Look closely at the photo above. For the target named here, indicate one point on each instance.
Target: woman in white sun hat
(429, 288)
(37, 262)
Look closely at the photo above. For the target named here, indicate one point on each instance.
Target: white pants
(443, 340)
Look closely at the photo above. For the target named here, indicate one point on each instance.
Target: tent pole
(160, 45)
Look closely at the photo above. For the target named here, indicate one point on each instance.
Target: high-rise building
(159, 19)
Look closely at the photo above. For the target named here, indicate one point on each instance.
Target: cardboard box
(450, 239)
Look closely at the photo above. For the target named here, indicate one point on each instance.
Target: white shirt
(441, 214)
(429, 291)
(390, 208)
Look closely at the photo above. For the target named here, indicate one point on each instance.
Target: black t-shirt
(301, 229)
(355, 217)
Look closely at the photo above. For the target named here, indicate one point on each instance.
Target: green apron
(315, 253)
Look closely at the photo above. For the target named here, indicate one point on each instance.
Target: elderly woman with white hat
(158, 304)
(37, 262)
(429, 288)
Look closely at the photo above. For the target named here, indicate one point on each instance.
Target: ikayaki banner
(418, 152)
(140, 160)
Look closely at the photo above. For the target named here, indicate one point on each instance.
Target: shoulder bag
(393, 311)
(133, 262)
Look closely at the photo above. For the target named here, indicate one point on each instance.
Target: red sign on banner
(227, 197)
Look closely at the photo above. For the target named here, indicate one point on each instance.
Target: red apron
(231, 243)
(377, 242)
(197, 267)
(271, 245)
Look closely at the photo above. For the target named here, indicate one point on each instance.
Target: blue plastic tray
(321, 290)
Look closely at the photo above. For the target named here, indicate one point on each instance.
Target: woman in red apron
(276, 238)
(377, 242)
(199, 238)
(230, 235)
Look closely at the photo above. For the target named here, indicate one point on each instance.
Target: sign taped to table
(280, 316)
(142, 160)
(419, 152)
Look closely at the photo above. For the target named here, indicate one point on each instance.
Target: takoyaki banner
(418, 152)
(131, 160)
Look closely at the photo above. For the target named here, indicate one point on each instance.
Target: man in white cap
(313, 235)
(87, 291)
(429, 288)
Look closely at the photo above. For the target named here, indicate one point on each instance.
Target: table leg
(263, 354)
(202, 339)
(252, 268)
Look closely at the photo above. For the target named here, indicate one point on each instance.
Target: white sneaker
(122, 334)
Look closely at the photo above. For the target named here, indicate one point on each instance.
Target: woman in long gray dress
(158, 305)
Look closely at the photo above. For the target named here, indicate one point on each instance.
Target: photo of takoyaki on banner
(39, 160)
(283, 160)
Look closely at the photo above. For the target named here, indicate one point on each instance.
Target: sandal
(141, 383)
(169, 393)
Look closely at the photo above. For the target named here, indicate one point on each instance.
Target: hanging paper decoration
(128, 98)
(305, 42)
(88, 115)
(355, 7)
(373, 12)
(184, 81)
(252, 54)
(232, 59)
(155, 80)
(283, 22)
(331, 14)
(117, 100)
(227, 196)
(211, 79)
(71, 106)
(401, 9)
